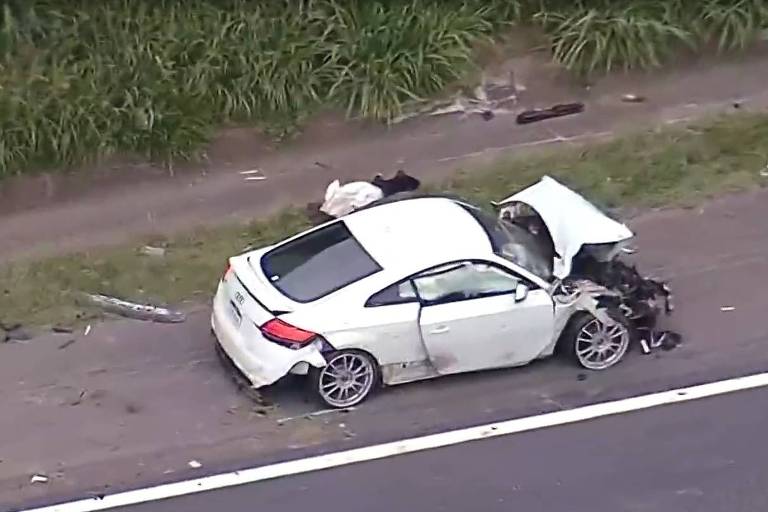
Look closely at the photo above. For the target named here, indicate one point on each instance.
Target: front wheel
(346, 380)
(596, 345)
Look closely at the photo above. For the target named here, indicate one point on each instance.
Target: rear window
(318, 263)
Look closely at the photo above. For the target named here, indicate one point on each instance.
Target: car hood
(572, 221)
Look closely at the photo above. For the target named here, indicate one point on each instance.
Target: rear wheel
(346, 380)
(595, 345)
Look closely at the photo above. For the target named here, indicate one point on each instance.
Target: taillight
(286, 334)
(226, 271)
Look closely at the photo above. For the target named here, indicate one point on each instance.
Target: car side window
(464, 281)
(398, 293)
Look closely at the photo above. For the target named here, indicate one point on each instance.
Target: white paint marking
(381, 451)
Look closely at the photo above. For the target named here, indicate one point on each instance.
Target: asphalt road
(706, 455)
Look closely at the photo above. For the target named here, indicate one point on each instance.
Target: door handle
(440, 330)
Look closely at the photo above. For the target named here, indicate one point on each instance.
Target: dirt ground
(120, 201)
(133, 403)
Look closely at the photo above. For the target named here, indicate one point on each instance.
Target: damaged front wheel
(598, 345)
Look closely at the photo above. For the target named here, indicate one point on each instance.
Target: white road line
(332, 460)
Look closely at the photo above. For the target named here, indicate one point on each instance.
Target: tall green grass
(81, 79)
(602, 35)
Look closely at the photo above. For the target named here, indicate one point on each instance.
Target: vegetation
(666, 167)
(81, 79)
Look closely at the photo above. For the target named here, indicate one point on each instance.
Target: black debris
(60, 329)
(67, 343)
(581, 377)
(400, 182)
(640, 299)
(540, 114)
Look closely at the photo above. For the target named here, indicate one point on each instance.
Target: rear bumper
(259, 360)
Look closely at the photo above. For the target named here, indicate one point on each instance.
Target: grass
(590, 36)
(665, 167)
(83, 80)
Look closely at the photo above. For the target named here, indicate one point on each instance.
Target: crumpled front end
(570, 222)
(586, 246)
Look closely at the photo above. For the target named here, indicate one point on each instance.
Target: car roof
(410, 235)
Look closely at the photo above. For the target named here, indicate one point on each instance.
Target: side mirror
(521, 292)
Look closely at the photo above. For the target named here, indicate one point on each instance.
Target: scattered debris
(194, 464)
(727, 309)
(87, 330)
(488, 99)
(67, 344)
(38, 479)
(344, 199)
(18, 334)
(764, 172)
(149, 250)
(137, 311)
(322, 165)
(564, 109)
(632, 98)
(315, 414)
(581, 377)
(79, 399)
(253, 175)
(60, 329)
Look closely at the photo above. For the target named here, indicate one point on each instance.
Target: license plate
(237, 317)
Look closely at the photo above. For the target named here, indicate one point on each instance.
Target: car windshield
(318, 263)
(514, 243)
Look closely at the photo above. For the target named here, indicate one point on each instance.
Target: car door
(471, 318)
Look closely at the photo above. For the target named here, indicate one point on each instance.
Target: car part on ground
(137, 311)
(540, 114)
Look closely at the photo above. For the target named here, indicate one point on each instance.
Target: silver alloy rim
(346, 380)
(600, 346)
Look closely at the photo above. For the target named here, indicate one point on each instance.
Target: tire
(348, 379)
(595, 346)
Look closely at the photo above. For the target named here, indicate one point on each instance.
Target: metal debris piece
(137, 311)
(67, 344)
(632, 98)
(194, 464)
(764, 172)
(38, 479)
(149, 250)
(727, 309)
(61, 329)
(249, 172)
(255, 178)
(87, 330)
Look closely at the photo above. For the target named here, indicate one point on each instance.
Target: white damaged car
(422, 287)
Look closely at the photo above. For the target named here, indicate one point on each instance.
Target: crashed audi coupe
(417, 286)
